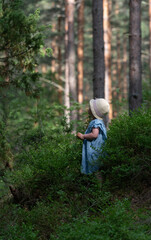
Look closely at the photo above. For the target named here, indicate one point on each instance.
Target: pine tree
(21, 41)
(80, 50)
(98, 49)
(135, 80)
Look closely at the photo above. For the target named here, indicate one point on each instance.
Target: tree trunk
(135, 84)
(80, 50)
(55, 49)
(114, 83)
(125, 82)
(71, 57)
(98, 49)
(66, 96)
(150, 36)
(59, 60)
(71, 50)
(119, 67)
(107, 55)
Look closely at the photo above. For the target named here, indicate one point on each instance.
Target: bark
(107, 55)
(71, 50)
(135, 84)
(125, 81)
(59, 60)
(98, 49)
(55, 50)
(119, 67)
(80, 50)
(115, 97)
(71, 58)
(44, 68)
(66, 95)
(150, 36)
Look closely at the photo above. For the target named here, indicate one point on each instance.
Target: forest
(55, 56)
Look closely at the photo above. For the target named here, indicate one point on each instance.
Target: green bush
(51, 170)
(20, 232)
(116, 222)
(51, 163)
(50, 186)
(128, 150)
(14, 224)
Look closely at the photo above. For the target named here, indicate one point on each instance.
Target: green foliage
(49, 185)
(21, 40)
(147, 93)
(5, 149)
(41, 169)
(128, 150)
(13, 226)
(117, 222)
(51, 191)
(21, 232)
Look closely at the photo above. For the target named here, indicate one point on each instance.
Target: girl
(94, 136)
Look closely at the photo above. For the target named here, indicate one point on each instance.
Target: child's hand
(80, 135)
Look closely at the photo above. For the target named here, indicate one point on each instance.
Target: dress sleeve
(96, 124)
(99, 124)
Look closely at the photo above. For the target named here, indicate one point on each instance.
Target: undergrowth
(51, 199)
(127, 159)
(117, 221)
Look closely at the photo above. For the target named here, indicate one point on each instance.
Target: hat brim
(93, 111)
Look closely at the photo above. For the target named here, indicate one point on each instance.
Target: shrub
(13, 224)
(21, 232)
(128, 150)
(117, 222)
(50, 186)
(51, 170)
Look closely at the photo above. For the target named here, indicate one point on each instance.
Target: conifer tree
(21, 41)
(107, 54)
(135, 79)
(80, 50)
(98, 49)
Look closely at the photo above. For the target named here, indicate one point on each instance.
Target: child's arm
(89, 136)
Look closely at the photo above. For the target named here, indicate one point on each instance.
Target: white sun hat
(99, 107)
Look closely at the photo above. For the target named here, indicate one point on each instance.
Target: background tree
(107, 53)
(67, 83)
(21, 41)
(98, 49)
(135, 79)
(71, 50)
(150, 35)
(70, 53)
(80, 49)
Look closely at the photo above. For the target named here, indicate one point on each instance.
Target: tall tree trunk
(67, 88)
(59, 60)
(107, 55)
(119, 67)
(80, 50)
(114, 83)
(150, 36)
(55, 49)
(125, 82)
(98, 49)
(71, 50)
(135, 84)
(71, 56)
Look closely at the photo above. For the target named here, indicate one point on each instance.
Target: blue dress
(92, 149)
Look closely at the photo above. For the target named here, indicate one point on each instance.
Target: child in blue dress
(94, 137)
